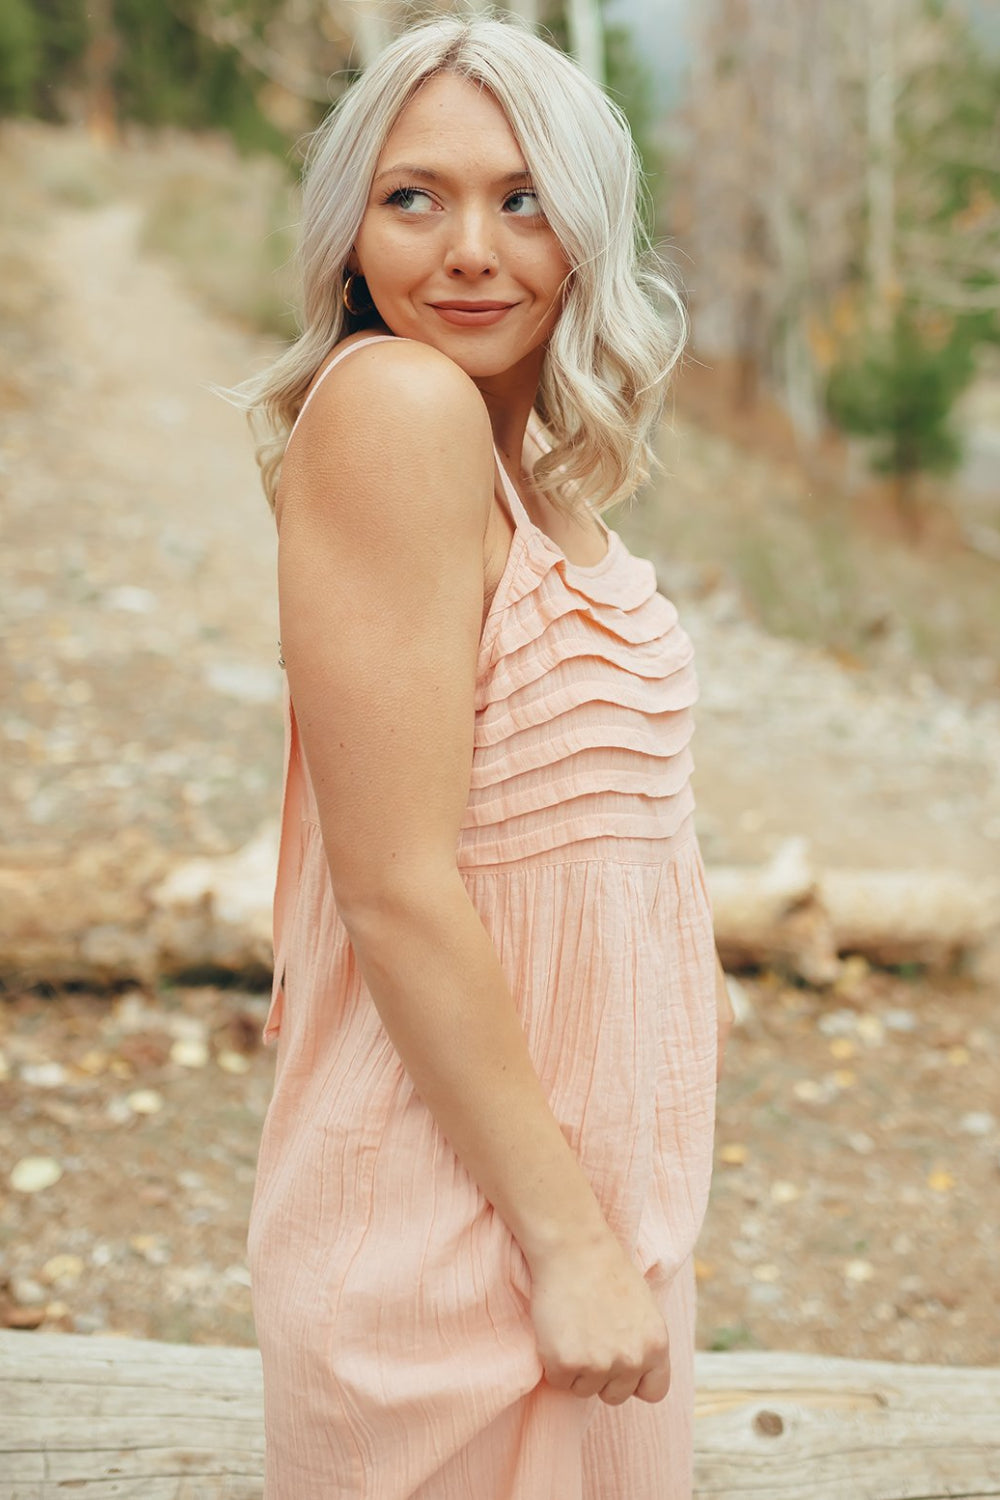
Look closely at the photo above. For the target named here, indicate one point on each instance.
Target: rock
(33, 1174)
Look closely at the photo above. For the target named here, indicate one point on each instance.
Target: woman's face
(453, 246)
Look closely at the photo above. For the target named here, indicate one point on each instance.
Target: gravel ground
(853, 1207)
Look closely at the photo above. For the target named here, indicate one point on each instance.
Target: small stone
(940, 1181)
(861, 1143)
(89, 1323)
(899, 1020)
(809, 1091)
(977, 1122)
(189, 1054)
(26, 1291)
(871, 1029)
(767, 1271)
(24, 1317)
(130, 598)
(842, 1047)
(93, 1062)
(45, 1075)
(151, 1247)
(32, 1174)
(784, 1192)
(145, 1102)
(859, 1270)
(838, 1022)
(233, 1062)
(65, 1268)
(734, 1153)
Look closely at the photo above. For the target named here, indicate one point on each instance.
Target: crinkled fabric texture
(391, 1302)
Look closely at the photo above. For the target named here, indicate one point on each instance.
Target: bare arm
(382, 520)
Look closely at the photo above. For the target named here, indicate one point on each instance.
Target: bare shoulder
(396, 407)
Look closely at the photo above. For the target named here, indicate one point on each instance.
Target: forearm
(441, 993)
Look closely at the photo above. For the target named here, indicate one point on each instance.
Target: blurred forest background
(824, 181)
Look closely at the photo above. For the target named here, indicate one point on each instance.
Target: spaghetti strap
(376, 338)
(522, 521)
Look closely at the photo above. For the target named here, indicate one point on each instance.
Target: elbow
(384, 908)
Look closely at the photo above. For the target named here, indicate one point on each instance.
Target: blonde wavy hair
(623, 325)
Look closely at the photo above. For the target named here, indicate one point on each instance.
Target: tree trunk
(586, 36)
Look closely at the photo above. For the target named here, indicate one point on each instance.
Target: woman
(498, 1005)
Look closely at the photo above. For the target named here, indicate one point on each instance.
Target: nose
(471, 251)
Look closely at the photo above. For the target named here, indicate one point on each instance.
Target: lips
(472, 306)
(467, 314)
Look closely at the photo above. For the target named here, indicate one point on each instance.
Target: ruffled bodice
(583, 708)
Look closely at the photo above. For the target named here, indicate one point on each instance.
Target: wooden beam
(152, 1421)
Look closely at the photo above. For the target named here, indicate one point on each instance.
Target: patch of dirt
(857, 1160)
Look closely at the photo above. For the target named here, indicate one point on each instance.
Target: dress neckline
(523, 521)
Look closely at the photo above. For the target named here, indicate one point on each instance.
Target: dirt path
(142, 620)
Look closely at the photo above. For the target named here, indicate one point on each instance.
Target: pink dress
(391, 1301)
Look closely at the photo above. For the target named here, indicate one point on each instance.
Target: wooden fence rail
(125, 1419)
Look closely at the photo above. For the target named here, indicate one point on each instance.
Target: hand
(599, 1330)
(724, 1014)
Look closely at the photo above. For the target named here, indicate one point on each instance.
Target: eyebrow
(406, 169)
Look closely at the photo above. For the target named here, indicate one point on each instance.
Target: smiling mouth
(472, 307)
(472, 314)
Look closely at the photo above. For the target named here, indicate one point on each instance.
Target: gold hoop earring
(345, 296)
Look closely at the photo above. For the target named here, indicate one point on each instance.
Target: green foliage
(169, 73)
(900, 391)
(165, 70)
(63, 32)
(21, 58)
(947, 121)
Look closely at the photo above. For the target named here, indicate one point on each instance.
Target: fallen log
(128, 912)
(151, 1421)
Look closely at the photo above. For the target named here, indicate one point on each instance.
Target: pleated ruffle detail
(585, 689)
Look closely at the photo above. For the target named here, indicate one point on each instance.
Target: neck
(509, 399)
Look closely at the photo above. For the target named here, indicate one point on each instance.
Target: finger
(588, 1384)
(655, 1384)
(618, 1390)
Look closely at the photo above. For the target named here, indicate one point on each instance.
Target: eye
(524, 204)
(408, 199)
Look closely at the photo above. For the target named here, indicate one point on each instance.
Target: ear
(352, 265)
